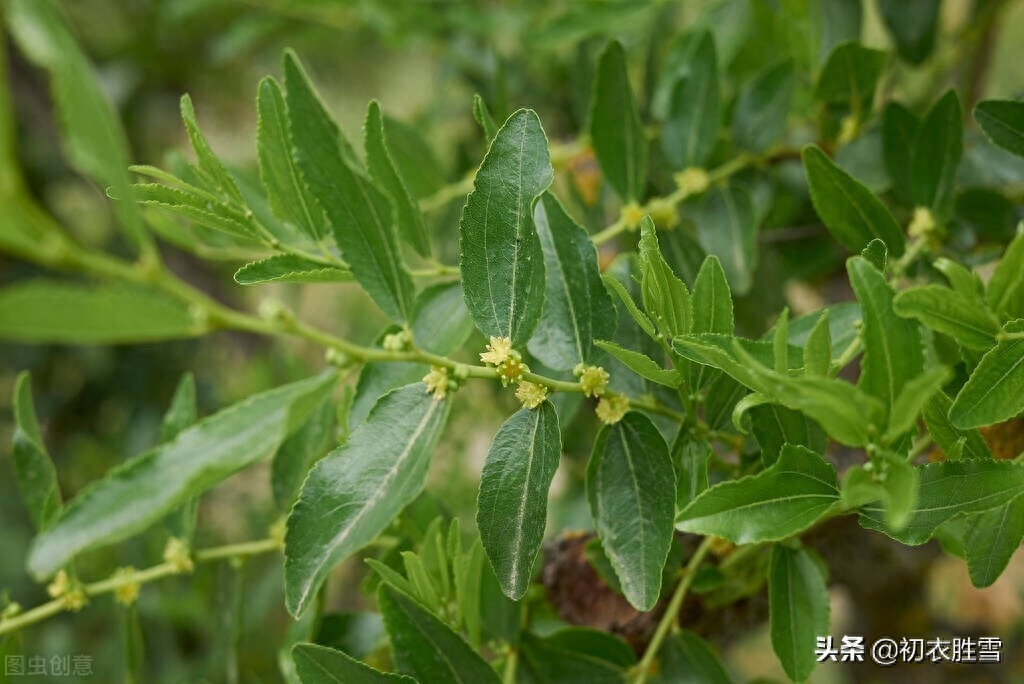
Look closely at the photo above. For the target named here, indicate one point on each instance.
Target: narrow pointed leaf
(818, 349)
(892, 481)
(691, 460)
(666, 298)
(142, 490)
(951, 313)
(913, 25)
(762, 109)
(501, 258)
(911, 400)
(381, 166)
(779, 502)
(211, 170)
(937, 151)
(181, 414)
(899, 132)
(483, 117)
(1005, 293)
(288, 268)
(954, 442)
(631, 489)
(577, 307)
(850, 75)
(33, 469)
(615, 128)
(992, 539)
(427, 648)
(712, 299)
(317, 664)
(513, 502)
(359, 213)
(727, 228)
(1002, 121)
(354, 492)
(774, 426)
(689, 133)
(199, 206)
(685, 658)
(993, 392)
(798, 609)
(642, 365)
(638, 316)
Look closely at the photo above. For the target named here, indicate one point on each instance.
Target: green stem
(671, 617)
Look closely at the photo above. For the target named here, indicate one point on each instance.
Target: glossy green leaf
(180, 415)
(691, 460)
(1002, 121)
(210, 169)
(382, 168)
(33, 469)
(685, 658)
(47, 311)
(546, 661)
(850, 75)
(642, 365)
(774, 426)
(288, 268)
(1005, 293)
(483, 117)
(513, 503)
(299, 452)
(762, 109)
(317, 664)
(94, 141)
(993, 392)
(727, 228)
(818, 349)
(352, 494)
(615, 128)
(951, 313)
(948, 489)
(893, 353)
(199, 206)
(889, 479)
(427, 648)
(843, 323)
(632, 491)
(851, 212)
(666, 298)
(876, 254)
(501, 257)
(577, 307)
(963, 280)
(638, 316)
(781, 501)
(359, 213)
(690, 131)
(287, 194)
(798, 609)
(594, 643)
(991, 540)
(712, 299)
(913, 25)
(937, 151)
(954, 442)
(899, 132)
(142, 490)
(911, 400)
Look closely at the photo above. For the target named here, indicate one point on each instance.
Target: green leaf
(849, 210)
(352, 494)
(727, 228)
(665, 297)
(774, 426)
(1005, 293)
(426, 647)
(513, 503)
(888, 478)
(781, 501)
(762, 109)
(843, 323)
(911, 400)
(181, 414)
(577, 307)
(381, 165)
(875, 254)
(199, 206)
(685, 658)
(993, 392)
(47, 311)
(501, 257)
(850, 76)
(33, 469)
(949, 489)
(689, 133)
(593, 643)
(951, 313)
(484, 118)
(691, 460)
(899, 132)
(288, 195)
(631, 490)
(359, 213)
(211, 170)
(712, 299)
(642, 365)
(953, 441)
(299, 452)
(963, 280)
(317, 664)
(798, 609)
(547, 661)
(94, 141)
(913, 26)
(289, 268)
(615, 128)
(642, 321)
(1002, 121)
(818, 349)
(142, 490)
(991, 540)
(937, 151)
(893, 353)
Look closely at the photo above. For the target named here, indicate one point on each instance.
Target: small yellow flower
(692, 181)
(512, 369)
(75, 600)
(530, 394)
(70, 593)
(399, 341)
(612, 408)
(177, 555)
(497, 351)
(922, 223)
(60, 585)
(127, 593)
(593, 379)
(632, 214)
(848, 129)
(437, 382)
